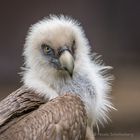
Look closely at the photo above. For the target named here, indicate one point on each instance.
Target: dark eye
(46, 49)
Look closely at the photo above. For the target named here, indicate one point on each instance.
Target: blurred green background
(113, 29)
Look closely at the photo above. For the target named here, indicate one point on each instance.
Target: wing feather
(17, 105)
(63, 118)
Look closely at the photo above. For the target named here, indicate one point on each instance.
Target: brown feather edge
(21, 96)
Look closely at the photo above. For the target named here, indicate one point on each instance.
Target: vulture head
(55, 47)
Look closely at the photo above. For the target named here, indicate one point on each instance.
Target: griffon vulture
(65, 88)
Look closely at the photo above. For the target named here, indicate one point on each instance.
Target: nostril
(61, 50)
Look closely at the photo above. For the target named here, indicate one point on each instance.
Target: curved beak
(67, 61)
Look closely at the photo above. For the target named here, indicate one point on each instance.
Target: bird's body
(58, 61)
(63, 118)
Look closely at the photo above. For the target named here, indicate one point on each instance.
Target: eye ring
(46, 49)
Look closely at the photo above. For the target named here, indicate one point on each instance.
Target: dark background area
(113, 29)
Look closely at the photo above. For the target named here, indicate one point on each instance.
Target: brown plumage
(26, 116)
